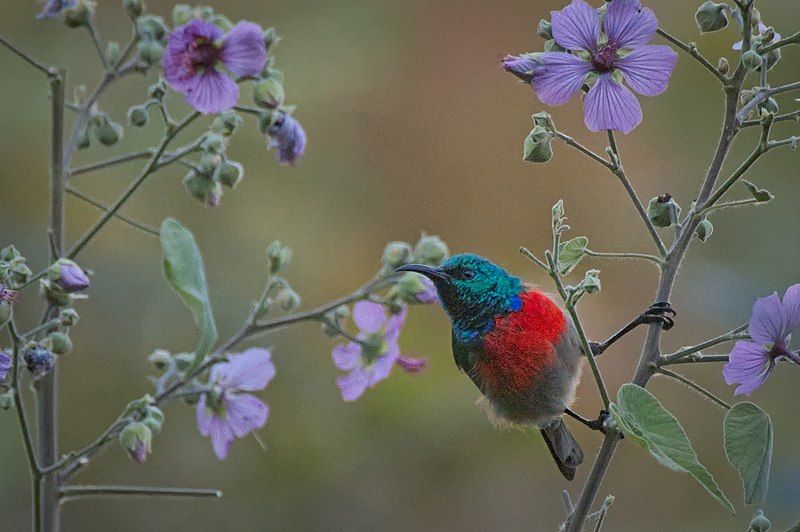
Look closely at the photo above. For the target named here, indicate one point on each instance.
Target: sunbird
(520, 348)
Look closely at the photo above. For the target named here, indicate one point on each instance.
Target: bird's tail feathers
(565, 450)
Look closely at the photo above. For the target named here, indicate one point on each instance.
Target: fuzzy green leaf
(570, 253)
(748, 446)
(183, 269)
(641, 417)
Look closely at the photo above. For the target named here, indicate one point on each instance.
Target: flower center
(373, 347)
(605, 58)
(204, 54)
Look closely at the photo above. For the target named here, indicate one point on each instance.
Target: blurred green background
(413, 126)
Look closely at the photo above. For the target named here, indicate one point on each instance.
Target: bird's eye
(468, 274)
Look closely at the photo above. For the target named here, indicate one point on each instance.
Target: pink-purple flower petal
(353, 385)
(791, 307)
(627, 24)
(204, 416)
(211, 92)
(346, 356)
(221, 437)
(767, 323)
(559, 76)
(245, 413)
(243, 50)
(395, 324)
(369, 316)
(609, 105)
(577, 26)
(647, 68)
(749, 365)
(250, 371)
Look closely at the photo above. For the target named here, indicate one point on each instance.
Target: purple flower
(428, 294)
(289, 137)
(53, 8)
(5, 363)
(194, 53)
(412, 364)
(70, 276)
(371, 359)
(751, 361)
(226, 413)
(521, 66)
(621, 49)
(762, 28)
(38, 360)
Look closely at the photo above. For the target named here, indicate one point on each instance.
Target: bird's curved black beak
(434, 274)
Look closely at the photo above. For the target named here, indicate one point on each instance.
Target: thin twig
(691, 49)
(694, 386)
(791, 39)
(642, 256)
(16, 342)
(90, 28)
(91, 167)
(730, 336)
(793, 116)
(73, 492)
(130, 221)
(583, 149)
(38, 65)
(762, 95)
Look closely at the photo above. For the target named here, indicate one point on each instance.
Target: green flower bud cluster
(101, 128)
(79, 14)
(152, 32)
(14, 273)
(214, 170)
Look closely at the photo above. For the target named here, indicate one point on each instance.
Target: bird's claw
(660, 312)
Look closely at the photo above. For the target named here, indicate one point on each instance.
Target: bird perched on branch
(520, 348)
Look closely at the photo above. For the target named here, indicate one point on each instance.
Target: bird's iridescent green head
(472, 290)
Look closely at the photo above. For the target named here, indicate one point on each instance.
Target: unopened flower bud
(704, 230)
(158, 90)
(226, 123)
(213, 143)
(68, 275)
(138, 116)
(288, 299)
(711, 16)
(112, 53)
(723, 66)
(759, 523)
(229, 173)
(537, 147)
(159, 358)
(770, 105)
(266, 120)
(183, 361)
(79, 13)
(545, 29)
(396, 254)
(222, 22)
(38, 359)
(181, 14)
(767, 36)
(60, 343)
(9, 253)
(153, 418)
(268, 93)
(270, 38)
(7, 400)
(341, 312)
(83, 140)
(151, 28)
(591, 282)
(278, 256)
(416, 288)
(68, 317)
(150, 52)
(412, 364)
(771, 58)
(543, 119)
(53, 293)
(203, 188)
(430, 250)
(663, 211)
(521, 66)
(137, 439)
(203, 12)
(134, 8)
(751, 60)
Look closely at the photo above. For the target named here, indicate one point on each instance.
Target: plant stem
(151, 165)
(794, 115)
(583, 149)
(730, 204)
(141, 154)
(46, 401)
(703, 359)
(643, 256)
(626, 184)
(762, 95)
(672, 262)
(691, 49)
(791, 39)
(73, 492)
(694, 386)
(99, 47)
(679, 355)
(130, 221)
(38, 65)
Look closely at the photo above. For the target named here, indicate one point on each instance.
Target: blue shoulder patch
(515, 305)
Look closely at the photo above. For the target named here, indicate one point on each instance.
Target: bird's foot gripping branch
(224, 71)
(598, 51)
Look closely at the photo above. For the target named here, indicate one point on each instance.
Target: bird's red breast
(521, 344)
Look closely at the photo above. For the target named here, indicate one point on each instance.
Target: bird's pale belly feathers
(530, 363)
